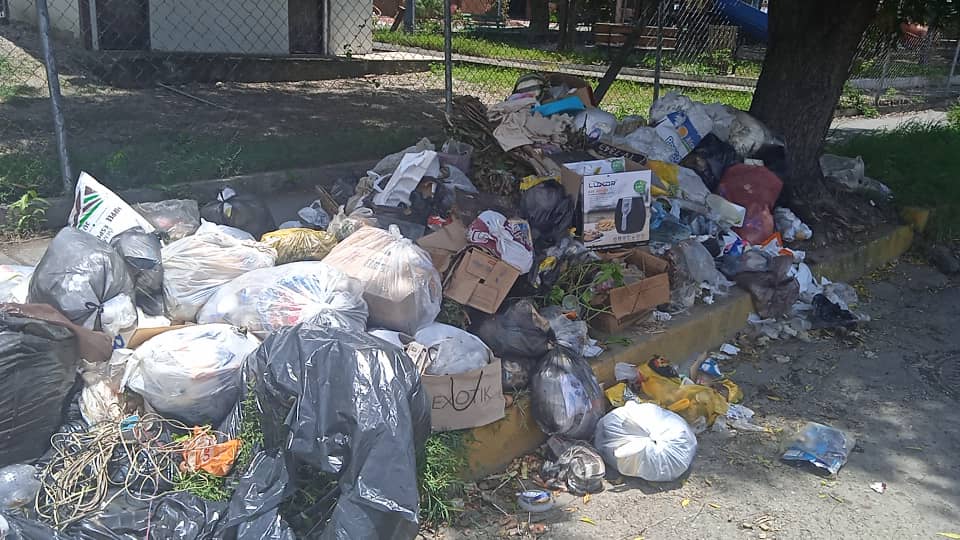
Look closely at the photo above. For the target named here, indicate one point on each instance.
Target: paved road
(847, 126)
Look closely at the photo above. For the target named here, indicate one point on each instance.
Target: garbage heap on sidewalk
(186, 371)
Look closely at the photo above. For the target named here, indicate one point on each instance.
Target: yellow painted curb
(492, 447)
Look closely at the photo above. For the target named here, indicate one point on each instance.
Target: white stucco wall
(220, 26)
(350, 27)
(64, 15)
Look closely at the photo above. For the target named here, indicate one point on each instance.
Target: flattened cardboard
(444, 245)
(465, 400)
(631, 301)
(479, 280)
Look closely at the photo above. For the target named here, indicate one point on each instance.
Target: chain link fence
(157, 92)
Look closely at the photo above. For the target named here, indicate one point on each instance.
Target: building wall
(64, 15)
(350, 27)
(220, 26)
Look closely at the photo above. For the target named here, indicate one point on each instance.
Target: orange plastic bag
(203, 452)
(696, 404)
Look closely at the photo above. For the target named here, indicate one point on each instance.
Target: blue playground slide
(751, 20)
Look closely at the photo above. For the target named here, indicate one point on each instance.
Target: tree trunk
(811, 46)
(568, 25)
(539, 17)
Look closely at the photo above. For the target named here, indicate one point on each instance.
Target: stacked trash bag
(187, 371)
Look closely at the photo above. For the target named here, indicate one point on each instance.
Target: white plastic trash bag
(452, 350)
(196, 266)
(100, 212)
(646, 441)
(14, 283)
(401, 286)
(192, 373)
(268, 299)
(406, 178)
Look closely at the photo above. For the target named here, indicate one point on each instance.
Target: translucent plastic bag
(175, 218)
(18, 487)
(452, 350)
(343, 225)
(192, 373)
(299, 244)
(196, 266)
(566, 397)
(700, 265)
(268, 299)
(646, 441)
(401, 286)
(14, 283)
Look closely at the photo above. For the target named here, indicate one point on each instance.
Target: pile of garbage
(188, 371)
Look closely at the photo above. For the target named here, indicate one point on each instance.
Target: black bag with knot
(78, 275)
(245, 212)
(549, 209)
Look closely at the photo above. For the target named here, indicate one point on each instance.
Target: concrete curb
(492, 447)
(264, 184)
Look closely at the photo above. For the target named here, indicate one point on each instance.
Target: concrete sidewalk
(890, 121)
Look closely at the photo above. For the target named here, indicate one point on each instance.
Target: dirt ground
(892, 383)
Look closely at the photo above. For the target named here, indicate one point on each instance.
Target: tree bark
(539, 17)
(811, 46)
(568, 25)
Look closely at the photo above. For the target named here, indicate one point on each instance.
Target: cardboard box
(465, 400)
(615, 206)
(141, 335)
(479, 280)
(444, 245)
(630, 302)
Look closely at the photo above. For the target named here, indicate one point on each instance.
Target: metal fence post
(53, 83)
(410, 17)
(884, 73)
(953, 66)
(448, 56)
(659, 66)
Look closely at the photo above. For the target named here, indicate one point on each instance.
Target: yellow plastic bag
(691, 401)
(669, 176)
(294, 245)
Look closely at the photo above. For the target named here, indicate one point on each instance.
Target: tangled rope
(79, 478)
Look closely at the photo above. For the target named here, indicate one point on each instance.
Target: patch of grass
(707, 64)
(165, 158)
(624, 98)
(919, 162)
(445, 459)
(953, 115)
(11, 81)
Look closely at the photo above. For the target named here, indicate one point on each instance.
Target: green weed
(444, 461)
(27, 213)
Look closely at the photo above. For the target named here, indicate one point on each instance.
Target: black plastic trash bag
(38, 366)
(567, 400)
(549, 210)
(351, 406)
(517, 331)
(78, 275)
(245, 212)
(141, 251)
(16, 527)
(252, 511)
(710, 159)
